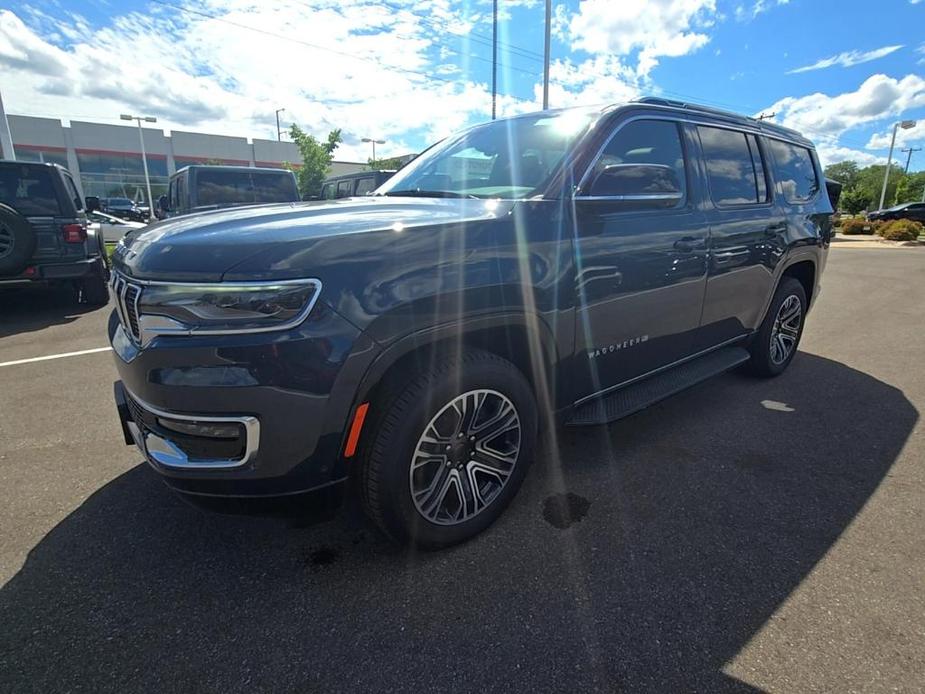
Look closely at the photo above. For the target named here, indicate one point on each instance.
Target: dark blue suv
(568, 266)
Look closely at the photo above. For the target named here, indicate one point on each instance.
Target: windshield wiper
(417, 193)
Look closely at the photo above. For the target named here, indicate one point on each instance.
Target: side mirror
(637, 183)
(92, 203)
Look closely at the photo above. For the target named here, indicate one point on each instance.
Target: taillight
(74, 233)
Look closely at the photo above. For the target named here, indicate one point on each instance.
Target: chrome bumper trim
(162, 451)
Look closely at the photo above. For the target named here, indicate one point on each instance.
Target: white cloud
(599, 80)
(904, 138)
(370, 70)
(744, 13)
(649, 28)
(847, 59)
(825, 117)
(832, 154)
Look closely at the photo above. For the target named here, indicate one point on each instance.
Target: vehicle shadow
(30, 309)
(688, 525)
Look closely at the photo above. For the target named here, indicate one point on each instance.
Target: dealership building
(106, 159)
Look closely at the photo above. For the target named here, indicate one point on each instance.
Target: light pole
(905, 125)
(494, 58)
(144, 156)
(6, 139)
(546, 55)
(374, 143)
(279, 134)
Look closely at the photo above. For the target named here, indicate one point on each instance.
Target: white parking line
(54, 356)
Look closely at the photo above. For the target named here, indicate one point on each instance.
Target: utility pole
(279, 134)
(6, 139)
(905, 125)
(144, 156)
(909, 158)
(546, 56)
(494, 59)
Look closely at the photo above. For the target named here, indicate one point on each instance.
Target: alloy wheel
(786, 330)
(465, 457)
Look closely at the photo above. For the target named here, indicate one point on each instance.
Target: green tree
(845, 172)
(316, 158)
(870, 180)
(390, 164)
(854, 200)
(911, 188)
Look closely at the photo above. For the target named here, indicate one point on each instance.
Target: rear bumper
(53, 272)
(244, 416)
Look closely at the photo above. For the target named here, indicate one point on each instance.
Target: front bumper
(246, 416)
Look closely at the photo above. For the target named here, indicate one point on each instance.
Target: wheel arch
(804, 271)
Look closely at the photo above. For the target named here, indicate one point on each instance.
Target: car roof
(358, 174)
(681, 108)
(249, 169)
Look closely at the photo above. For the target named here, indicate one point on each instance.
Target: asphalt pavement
(744, 536)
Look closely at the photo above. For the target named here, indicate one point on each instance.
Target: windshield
(503, 159)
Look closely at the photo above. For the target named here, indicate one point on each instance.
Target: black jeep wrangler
(567, 266)
(43, 232)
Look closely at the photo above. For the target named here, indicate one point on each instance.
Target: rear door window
(734, 167)
(274, 187)
(345, 189)
(794, 170)
(29, 190)
(366, 185)
(224, 188)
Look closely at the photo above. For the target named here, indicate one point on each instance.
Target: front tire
(777, 339)
(449, 450)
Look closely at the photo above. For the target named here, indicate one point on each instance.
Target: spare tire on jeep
(17, 241)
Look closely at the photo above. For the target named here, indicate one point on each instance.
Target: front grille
(126, 295)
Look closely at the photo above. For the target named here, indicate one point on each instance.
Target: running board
(638, 396)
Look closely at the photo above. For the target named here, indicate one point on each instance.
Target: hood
(204, 247)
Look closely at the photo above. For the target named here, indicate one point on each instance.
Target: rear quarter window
(29, 190)
(794, 170)
(274, 187)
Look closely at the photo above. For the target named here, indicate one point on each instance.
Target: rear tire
(777, 339)
(449, 450)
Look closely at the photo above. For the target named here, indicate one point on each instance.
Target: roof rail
(660, 101)
(763, 125)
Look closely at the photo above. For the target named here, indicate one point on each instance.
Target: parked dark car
(43, 232)
(908, 210)
(568, 266)
(124, 208)
(199, 188)
(353, 184)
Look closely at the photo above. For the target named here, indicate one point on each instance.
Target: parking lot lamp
(905, 125)
(144, 156)
(279, 133)
(374, 142)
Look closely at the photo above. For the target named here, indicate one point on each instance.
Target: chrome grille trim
(127, 295)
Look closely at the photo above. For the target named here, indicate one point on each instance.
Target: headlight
(224, 308)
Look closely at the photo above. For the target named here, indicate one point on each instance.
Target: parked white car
(112, 228)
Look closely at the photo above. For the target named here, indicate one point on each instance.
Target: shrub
(901, 230)
(857, 226)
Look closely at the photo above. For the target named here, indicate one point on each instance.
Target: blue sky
(411, 71)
